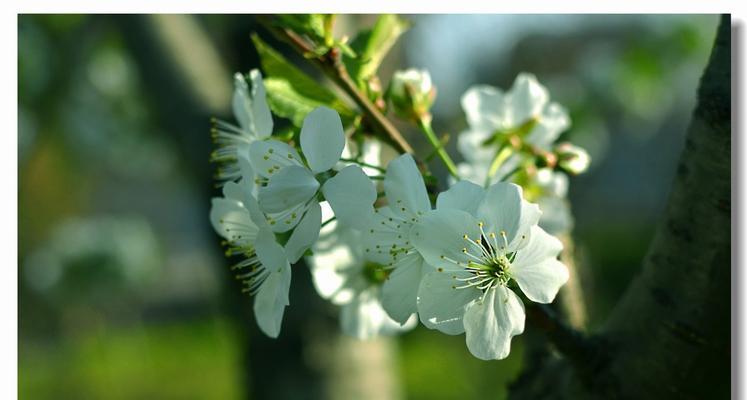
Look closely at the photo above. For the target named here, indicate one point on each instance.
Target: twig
(424, 122)
(331, 65)
(573, 344)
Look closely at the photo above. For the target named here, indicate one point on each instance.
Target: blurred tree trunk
(310, 359)
(668, 337)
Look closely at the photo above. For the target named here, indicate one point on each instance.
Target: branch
(331, 65)
(568, 341)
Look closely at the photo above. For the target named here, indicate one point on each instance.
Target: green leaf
(371, 46)
(311, 25)
(286, 101)
(290, 92)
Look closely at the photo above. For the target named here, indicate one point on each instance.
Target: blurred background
(123, 289)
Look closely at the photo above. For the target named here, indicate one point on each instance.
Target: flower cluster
(376, 243)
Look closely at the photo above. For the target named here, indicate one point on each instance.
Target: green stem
(325, 223)
(424, 122)
(501, 155)
(363, 164)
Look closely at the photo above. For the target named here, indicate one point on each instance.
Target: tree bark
(669, 335)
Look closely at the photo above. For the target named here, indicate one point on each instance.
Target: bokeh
(123, 289)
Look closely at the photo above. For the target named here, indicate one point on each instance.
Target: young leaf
(290, 92)
(371, 46)
(311, 25)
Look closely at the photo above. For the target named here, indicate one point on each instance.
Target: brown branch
(570, 342)
(331, 65)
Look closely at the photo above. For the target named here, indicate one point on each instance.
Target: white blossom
(254, 123)
(411, 92)
(479, 242)
(387, 236)
(290, 186)
(572, 159)
(343, 275)
(264, 269)
(493, 116)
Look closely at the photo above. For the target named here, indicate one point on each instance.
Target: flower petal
(440, 304)
(337, 254)
(232, 221)
(463, 195)
(399, 293)
(385, 235)
(322, 138)
(484, 106)
(242, 104)
(272, 296)
(536, 269)
(528, 98)
(470, 145)
(288, 188)
(260, 108)
(305, 233)
(405, 189)
(553, 121)
(270, 156)
(490, 324)
(439, 237)
(504, 209)
(351, 195)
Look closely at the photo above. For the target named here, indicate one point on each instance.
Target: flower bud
(572, 159)
(411, 93)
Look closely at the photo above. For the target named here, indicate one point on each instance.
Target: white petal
(248, 177)
(270, 156)
(440, 304)
(536, 269)
(399, 293)
(234, 191)
(260, 109)
(553, 121)
(439, 237)
(528, 98)
(232, 221)
(288, 188)
(322, 138)
(464, 195)
(470, 145)
(351, 195)
(272, 297)
(492, 323)
(405, 189)
(504, 209)
(484, 106)
(242, 104)
(305, 233)
(383, 232)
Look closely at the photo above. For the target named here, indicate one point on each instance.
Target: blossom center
(375, 273)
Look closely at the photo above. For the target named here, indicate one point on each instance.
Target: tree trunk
(669, 335)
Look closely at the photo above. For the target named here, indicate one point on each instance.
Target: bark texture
(669, 335)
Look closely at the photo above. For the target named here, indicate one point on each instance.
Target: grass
(176, 361)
